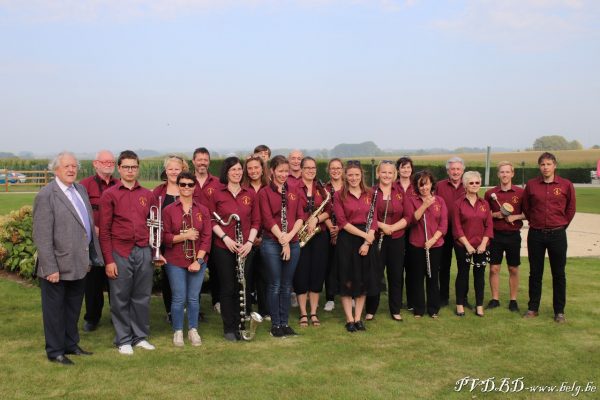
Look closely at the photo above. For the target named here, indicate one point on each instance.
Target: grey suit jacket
(60, 235)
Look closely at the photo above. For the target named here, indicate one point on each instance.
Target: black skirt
(356, 275)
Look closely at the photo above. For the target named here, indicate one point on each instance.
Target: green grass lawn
(410, 360)
(588, 200)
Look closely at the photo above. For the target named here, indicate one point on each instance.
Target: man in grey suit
(63, 231)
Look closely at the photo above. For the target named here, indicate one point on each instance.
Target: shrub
(17, 250)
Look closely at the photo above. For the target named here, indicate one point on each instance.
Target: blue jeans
(185, 286)
(280, 275)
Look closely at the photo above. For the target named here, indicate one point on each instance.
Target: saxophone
(254, 318)
(303, 234)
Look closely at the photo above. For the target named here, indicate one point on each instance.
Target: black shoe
(89, 326)
(201, 317)
(360, 326)
(78, 351)
(350, 327)
(276, 331)
(493, 304)
(230, 336)
(459, 314)
(467, 304)
(444, 303)
(288, 331)
(61, 359)
(513, 306)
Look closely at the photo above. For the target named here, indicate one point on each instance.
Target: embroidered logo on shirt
(515, 199)
(482, 208)
(246, 200)
(557, 191)
(291, 196)
(199, 217)
(143, 201)
(398, 196)
(210, 191)
(437, 208)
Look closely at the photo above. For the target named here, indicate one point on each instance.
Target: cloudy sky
(177, 74)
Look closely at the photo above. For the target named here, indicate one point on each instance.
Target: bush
(17, 250)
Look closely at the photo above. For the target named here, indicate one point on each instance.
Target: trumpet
(155, 225)
(303, 235)
(189, 246)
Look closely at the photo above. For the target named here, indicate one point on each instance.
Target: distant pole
(523, 173)
(487, 166)
(372, 171)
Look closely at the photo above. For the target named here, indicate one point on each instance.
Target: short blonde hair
(504, 163)
(468, 175)
(184, 165)
(389, 163)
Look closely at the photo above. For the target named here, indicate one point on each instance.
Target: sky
(173, 75)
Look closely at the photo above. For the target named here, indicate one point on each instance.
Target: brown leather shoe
(531, 314)
(560, 318)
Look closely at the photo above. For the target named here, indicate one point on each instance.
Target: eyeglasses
(336, 169)
(353, 163)
(310, 168)
(474, 183)
(386, 162)
(187, 184)
(106, 163)
(129, 167)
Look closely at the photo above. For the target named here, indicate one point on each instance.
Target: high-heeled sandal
(303, 324)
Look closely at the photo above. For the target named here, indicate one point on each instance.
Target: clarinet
(284, 222)
(387, 203)
(371, 210)
(332, 216)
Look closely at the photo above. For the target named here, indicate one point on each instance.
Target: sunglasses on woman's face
(353, 163)
(187, 184)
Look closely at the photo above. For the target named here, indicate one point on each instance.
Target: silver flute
(426, 248)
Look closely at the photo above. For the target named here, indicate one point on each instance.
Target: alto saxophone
(303, 235)
(254, 318)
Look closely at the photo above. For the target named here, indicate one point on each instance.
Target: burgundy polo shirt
(513, 196)
(549, 205)
(245, 205)
(410, 190)
(172, 216)
(395, 209)
(318, 200)
(95, 186)
(203, 193)
(472, 221)
(329, 187)
(446, 190)
(123, 215)
(353, 210)
(270, 209)
(436, 216)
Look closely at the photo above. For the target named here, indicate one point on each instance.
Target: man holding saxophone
(124, 239)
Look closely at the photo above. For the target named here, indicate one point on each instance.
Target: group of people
(268, 228)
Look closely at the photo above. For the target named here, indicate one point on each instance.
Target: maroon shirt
(203, 193)
(294, 182)
(123, 215)
(173, 223)
(270, 209)
(410, 190)
(472, 221)
(446, 190)
(513, 196)
(352, 210)
(436, 216)
(245, 205)
(95, 186)
(329, 187)
(549, 205)
(318, 200)
(395, 210)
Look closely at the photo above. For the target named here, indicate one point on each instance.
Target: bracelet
(317, 218)
(250, 241)
(224, 236)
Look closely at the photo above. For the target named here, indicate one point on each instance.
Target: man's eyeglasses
(187, 184)
(106, 163)
(129, 167)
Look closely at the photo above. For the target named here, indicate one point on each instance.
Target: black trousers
(392, 259)
(260, 281)
(312, 266)
(555, 242)
(61, 306)
(165, 288)
(418, 273)
(330, 276)
(408, 280)
(225, 263)
(462, 278)
(95, 284)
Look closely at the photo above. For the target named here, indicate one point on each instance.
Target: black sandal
(303, 324)
(315, 320)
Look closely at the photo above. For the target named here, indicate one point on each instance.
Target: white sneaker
(217, 308)
(126, 349)
(178, 338)
(267, 317)
(194, 337)
(294, 300)
(144, 344)
(329, 306)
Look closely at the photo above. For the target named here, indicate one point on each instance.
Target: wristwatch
(201, 261)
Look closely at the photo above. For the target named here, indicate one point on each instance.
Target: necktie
(82, 211)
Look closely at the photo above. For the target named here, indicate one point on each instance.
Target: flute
(427, 248)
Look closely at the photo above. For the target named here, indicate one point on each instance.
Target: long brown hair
(246, 181)
(346, 187)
